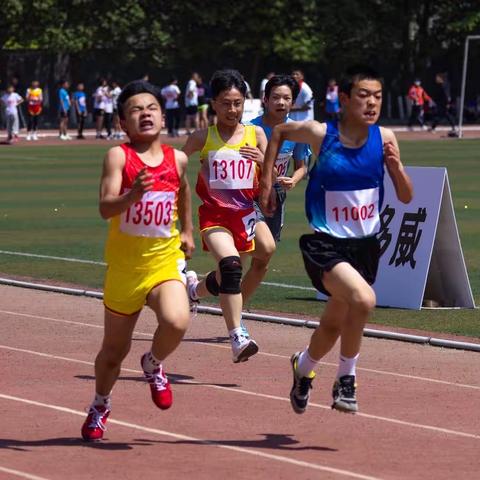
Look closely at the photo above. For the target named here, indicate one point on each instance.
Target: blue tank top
(288, 149)
(345, 188)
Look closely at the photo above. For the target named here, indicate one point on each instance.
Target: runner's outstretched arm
(185, 206)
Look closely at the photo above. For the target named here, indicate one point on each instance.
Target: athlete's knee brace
(211, 283)
(231, 274)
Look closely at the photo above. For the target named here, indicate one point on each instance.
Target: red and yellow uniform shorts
(240, 224)
(125, 292)
(34, 109)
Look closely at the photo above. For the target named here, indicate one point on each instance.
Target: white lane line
(93, 262)
(50, 257)
(266, 354)
(178, 436)
(260, 395)
(18, 473)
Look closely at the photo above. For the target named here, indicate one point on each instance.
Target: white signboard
(251, 109)
(422, 260)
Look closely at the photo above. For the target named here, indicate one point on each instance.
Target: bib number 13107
(229, 170)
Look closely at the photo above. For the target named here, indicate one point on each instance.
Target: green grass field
(48, 206)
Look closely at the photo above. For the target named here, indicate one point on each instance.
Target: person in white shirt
(108, 116)
(268, 76)
(115, 92)
(11, 100)
(171, 94)
(303, 108)
(191, 103)
(99, 106)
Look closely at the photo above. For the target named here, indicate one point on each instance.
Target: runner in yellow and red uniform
(143, 190)
(34, 99)
(230, 155)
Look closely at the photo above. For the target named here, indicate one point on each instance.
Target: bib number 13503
(152, 216)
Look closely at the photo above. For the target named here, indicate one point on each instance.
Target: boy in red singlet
(143, 191)
(230, 154)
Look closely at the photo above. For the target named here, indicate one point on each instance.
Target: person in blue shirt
(80, 104)
(343, 200)
(64, 109)
(280, 94)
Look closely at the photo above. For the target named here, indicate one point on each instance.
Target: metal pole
(462, 94)
(464, 81)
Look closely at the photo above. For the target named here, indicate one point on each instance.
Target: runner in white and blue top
(343, 200)
(299, 152)
(280, 93)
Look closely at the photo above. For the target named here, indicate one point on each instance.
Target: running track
(419, 405)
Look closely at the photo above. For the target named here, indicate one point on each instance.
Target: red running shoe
(159, 387)
(94, 426)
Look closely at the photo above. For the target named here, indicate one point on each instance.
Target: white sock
(102, 400)
(346, 366)
(305, 364)
(150, 363)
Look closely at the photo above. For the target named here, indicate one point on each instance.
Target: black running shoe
(343, 394)
(300, 392)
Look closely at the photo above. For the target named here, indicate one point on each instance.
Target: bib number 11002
(346, 214)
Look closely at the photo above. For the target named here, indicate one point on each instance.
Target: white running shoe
(29, 137)
(35, 136)
(242, 348)
(192, 282)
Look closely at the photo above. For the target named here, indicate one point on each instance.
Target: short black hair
(225, 80)
(279, 80)
(356, 73)
(135, 88)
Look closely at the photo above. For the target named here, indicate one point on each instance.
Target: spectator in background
(99, 107)
(303, 107)
(419, 98)
(264, 81)
(11, 100)
(191, 104)
(34, 99)
(117, 129)
(64, 109)
(249, 95)
(443, 107)
(18, 87)
(108, 115)
(80, 104)
(332, 104)
(203, 92)
(171, 94)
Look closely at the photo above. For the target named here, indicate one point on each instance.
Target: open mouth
(146, 124)
(370, 114)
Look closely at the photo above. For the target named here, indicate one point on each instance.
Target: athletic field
(48, 208)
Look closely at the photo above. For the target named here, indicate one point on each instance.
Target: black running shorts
(321, 252)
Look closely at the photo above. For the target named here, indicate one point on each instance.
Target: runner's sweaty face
(280, 101)
(365, 101)
(143, 116)
(228, 106)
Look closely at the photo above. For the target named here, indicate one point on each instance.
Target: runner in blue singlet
(343, 201)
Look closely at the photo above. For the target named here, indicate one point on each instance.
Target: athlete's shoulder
(115, 157)
(181, 161)
(387, 134)
(195, 141)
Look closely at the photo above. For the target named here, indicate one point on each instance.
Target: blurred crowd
(190, 106)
